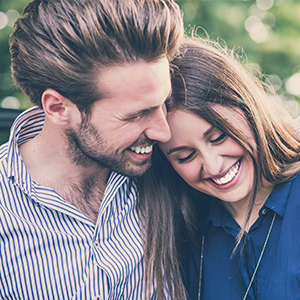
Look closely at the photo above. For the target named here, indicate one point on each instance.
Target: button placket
(264, 211)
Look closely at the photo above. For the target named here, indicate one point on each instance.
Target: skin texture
(132, 114)
(86, 148)
(211, 162)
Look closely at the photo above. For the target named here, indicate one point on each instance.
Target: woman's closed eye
(186, 158)
(219, 139)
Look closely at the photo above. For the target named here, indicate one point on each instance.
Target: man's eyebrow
(140, 113)
(180, 148)
(145, 111)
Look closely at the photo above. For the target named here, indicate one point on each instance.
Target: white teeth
(141, 150)
(229, 176)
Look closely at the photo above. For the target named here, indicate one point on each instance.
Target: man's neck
(48, 164)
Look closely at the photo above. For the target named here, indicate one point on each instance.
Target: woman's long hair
(168, 218)
(205, 76)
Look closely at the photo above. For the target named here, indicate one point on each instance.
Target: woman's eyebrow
(172, 150)
(180, 148)
(208, 131)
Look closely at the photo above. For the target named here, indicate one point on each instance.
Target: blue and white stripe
(49, 249)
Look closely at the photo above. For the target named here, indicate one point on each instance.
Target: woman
(232, 142)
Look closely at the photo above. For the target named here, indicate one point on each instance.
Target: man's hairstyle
(64, 44)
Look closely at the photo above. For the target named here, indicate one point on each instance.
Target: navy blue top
(226, 277)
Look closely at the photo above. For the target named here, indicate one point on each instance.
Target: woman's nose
(212, 163)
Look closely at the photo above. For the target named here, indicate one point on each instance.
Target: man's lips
(142, 150)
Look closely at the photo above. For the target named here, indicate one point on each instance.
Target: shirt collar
(26, 126)
(276, 201)
(218, 215)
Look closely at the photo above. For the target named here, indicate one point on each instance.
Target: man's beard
(87, 149)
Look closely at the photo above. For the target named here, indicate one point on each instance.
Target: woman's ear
(58, 109)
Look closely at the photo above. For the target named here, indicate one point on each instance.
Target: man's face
(124, 125)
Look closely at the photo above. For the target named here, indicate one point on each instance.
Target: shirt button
(264, 211)
(97, 298)
(96, 244)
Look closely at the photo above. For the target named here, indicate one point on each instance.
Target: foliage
(266, 30)
(9, 95)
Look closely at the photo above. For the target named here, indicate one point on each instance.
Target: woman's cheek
(188, 173)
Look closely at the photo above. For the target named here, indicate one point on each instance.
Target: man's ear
(58, 108)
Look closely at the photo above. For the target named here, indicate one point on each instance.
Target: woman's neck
(239, 209)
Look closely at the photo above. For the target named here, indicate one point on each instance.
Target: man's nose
(158, 128)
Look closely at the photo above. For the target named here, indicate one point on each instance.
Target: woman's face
(207, 159)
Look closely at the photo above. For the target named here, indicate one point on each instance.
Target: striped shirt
(49, 249)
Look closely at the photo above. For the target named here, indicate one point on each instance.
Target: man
(98, 73)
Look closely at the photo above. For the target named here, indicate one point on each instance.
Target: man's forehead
(143, 79)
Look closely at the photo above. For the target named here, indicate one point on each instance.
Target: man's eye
(220, 138)
(135, 118)
(182, 160)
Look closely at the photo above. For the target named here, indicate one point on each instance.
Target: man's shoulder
(3, 151)
(3, 159)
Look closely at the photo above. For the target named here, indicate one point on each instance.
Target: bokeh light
(275, 81)
(189, 11)
(256, 29)
(10, 102)
(12, 16)
(268, 19)
(264, 4)
(3, 20)
(292, 85)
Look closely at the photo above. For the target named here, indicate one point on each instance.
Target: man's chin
(134, 170)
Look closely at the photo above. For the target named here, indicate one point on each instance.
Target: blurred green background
(268, 31)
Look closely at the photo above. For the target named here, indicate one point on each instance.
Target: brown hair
(169, 220)
(206, 75)
(63, 44)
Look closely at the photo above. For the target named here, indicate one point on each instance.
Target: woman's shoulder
(296, 178)
(292, 188)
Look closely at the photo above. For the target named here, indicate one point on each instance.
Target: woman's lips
(229, 176)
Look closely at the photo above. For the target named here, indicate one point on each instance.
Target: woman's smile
(228, 178)
(207, 159)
